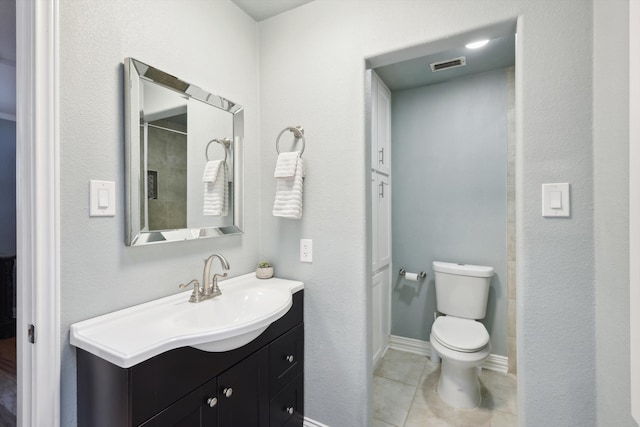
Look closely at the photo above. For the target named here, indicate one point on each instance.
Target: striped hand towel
(216, 189)
(288, 200)
(286, 165)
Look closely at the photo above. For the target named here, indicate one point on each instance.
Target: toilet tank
(462, 289)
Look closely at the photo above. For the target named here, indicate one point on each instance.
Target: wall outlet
(306, 250)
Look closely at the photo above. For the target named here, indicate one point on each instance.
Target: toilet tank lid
(462, 269)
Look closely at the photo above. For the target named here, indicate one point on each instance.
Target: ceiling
(263, 9)
(498, 53)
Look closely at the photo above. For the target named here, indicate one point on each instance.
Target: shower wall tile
(176, 214)
(167, 155)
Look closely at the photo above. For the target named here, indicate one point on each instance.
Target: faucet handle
(215, 276)
(196, 295)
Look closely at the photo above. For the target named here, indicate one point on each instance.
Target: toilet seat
(458, 334)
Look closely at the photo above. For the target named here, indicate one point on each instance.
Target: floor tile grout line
(415, 392)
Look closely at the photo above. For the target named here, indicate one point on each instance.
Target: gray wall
(449, 195)
(210, 43)
(7, 187)
(323, 89)
(611, 203)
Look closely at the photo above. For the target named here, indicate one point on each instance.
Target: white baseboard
(497, 363)
(411, 345)
(308, 422)
(494, 362)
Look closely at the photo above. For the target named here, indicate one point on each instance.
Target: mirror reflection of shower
(166, 147)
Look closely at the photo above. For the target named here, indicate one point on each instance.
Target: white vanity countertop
(245, 309)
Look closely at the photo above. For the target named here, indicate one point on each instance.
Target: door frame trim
(38, 212)
(634, 207)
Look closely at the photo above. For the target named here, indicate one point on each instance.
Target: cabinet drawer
(285, 358)
(190, 411)
(287, 407)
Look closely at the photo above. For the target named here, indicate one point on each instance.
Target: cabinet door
(376, 323)
(244, 393)
(381, 313)
(381, 126)
(385, 308)
(287, 407)
(383, 224)
(194, 410)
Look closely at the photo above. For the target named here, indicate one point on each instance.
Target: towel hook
(298, 133)
(226, 142)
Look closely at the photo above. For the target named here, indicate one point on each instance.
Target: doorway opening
(449, 144)
(8, 370)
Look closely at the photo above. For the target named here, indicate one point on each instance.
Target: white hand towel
(288, 200)
(216, 190)
(211, 169)
(286, 165)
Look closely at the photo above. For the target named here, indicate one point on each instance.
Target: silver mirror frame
(136, 71)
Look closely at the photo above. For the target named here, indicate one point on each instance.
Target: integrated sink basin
(245, 309)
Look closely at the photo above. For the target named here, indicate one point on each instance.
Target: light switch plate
(102, 198)
(555, 200)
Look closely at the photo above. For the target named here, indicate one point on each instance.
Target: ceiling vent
(449, 63)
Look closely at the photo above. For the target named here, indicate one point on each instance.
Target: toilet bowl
(463, 345)
(458, 338)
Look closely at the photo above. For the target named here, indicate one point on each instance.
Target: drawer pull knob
(289, 358)
(289, 410)
(212, 401)
(227, 391)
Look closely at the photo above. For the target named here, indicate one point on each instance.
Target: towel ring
(298, 133)
(226, 142)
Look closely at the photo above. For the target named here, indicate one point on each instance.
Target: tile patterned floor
(404, 392)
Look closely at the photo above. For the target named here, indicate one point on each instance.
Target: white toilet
(461, 341)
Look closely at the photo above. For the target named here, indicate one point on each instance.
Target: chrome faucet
(210, 287)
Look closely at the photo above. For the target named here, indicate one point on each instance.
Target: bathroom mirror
(173, 130)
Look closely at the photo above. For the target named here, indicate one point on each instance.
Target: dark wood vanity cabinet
(260, 384)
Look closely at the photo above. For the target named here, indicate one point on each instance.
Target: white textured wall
(312, 63)
(611, 210)
(210, 43)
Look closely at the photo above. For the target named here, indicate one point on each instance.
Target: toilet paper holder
(420, 275)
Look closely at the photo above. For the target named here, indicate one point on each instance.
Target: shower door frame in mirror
(139, 75)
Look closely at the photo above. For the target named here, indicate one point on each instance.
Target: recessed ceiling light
(478, 44)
